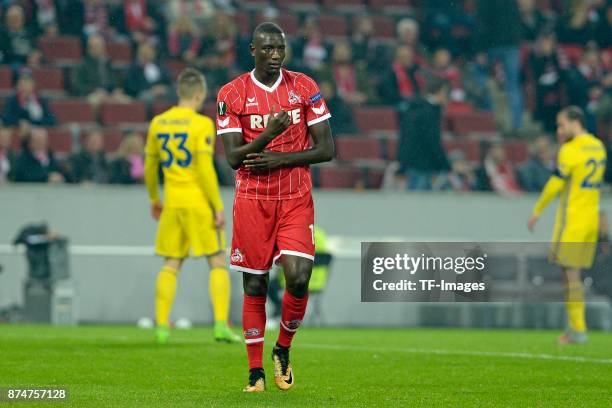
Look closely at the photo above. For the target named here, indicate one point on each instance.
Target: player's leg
(295, 241)
(219, 290)
(255, 288)
(297, 271)
(173, 245)
(164, 296)
(574, 303)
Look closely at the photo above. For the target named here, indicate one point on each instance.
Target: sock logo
(253, 331)
(293, 324)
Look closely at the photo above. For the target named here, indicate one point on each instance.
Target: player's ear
(252, 49)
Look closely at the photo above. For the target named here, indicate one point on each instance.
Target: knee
(297, 282)
(255, 285)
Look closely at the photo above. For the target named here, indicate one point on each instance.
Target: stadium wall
(114, 268)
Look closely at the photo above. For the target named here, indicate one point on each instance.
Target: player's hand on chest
(257, 113)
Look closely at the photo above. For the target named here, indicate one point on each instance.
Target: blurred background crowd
(425, 95)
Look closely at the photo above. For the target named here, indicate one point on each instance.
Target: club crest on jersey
(221, 108)
(293, 98)
(237, 256)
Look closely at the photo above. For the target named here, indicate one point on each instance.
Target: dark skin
(268, 51)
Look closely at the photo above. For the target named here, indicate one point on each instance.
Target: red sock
(254, 325)
(292, 313)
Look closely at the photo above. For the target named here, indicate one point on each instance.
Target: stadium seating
(476, 122)
(371, 119)
(355, 148)
(346, 6)
(6, 80)
(470, 148)
(333, 25)
(289, 22)
(384, 27)
(73, 111)
(517, 150)
(112, 139)
(60, 140)
(118, 114)
(391, 6)
(49, 81)
(299, 5)
(63, 50)
(338, 177)
(120, 53)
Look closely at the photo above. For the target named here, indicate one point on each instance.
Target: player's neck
(265, 78)
(187, 105)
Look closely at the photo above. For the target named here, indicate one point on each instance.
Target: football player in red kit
(265, 118)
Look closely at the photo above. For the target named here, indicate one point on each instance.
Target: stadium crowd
(509, 66)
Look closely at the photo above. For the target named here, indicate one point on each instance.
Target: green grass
(121, 366)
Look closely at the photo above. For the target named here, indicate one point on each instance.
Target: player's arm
(321, 151)
(553, 187)
(151, 175)
(235, 148)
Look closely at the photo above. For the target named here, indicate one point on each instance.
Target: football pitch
(115, 366)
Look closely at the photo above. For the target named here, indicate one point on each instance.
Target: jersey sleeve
(316, 108)
(151, 143)
(565, 162)
(206, 174)
(228, 102)
(152, 164)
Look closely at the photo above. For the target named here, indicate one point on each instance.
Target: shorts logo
(253, 331)
(293, 324)
(222, 108)
(293, 98)
(237, 256)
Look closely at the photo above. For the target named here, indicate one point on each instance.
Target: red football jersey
(244, 105)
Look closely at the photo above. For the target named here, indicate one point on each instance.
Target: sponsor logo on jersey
(261, 121)
(319, 110)
(223, 122)
(253, 331)
(315, 97)
(237, 256)
(293, 98)
(251, 102)
(221, 108)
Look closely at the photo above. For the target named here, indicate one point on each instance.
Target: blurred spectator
(475, 78)
(95, 78)
(16, 40)
(342, 120)
(8, 156)
(95, 18)
(575, 27)
(408, 35)
(544, 67)
(184, 40)
(35, 59)
(404, 80)
(420, 151)
(442, 67)
(309, 45)
(200, 11)
(219, 42)
(362, 41)
(448, 24)
(46, 16)
(26, 106)
(534, 174)
(128, 168)
(461, 177)
(603, 29)
(586, 83)
(532, 19)
(139, 20)
(36, 163)
(351, 78)
(147, 78)
(500, 171)
(394, 178)
(499, 22)
(90, 164)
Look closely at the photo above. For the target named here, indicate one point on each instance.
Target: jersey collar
(264, 87)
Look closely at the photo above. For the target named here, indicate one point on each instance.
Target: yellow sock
(164, 295)
(575, 307)
(219, 288)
